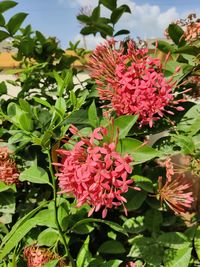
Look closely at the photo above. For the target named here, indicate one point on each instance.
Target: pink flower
(132, 81)
(37, 256)
(94, 172)
(8, 170)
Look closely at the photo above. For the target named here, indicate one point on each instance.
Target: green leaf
(19, 223)
(197, 242)
(143, 182)
(14, 240)
(135, 225)
(107, 30)
(165, 47)
(5, 5)
(111, 263)
(153, 220)
(2, 20)
(3, 88)
(88, 30)
(35, 174)
(61, 106)
(112, 225)
(135, 199)
(185, 142)
(112, 247)
(173, 240)
(5, 187)
(190, 123)
(92, 115)
(15, 22)
(42, 102)
(46, 218)
(177, 258)
(25, 121)
(137, 150)
(48, 237)
(118, 12)
(84, 255)
(110, 4)
(147, 249)
(7, 202)
(121, 32)
(3, 35)
(95, 14)
(83, 18)
(176, 34)
(124, 124)
(51, 263)
(189, 49)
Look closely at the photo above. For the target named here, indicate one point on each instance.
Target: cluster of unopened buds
(9, 173)
(94, 172)
(133, 82)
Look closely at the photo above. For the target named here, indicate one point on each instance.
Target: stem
(56, 211)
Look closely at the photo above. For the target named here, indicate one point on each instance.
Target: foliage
(36, 217)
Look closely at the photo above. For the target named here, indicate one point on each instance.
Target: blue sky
(58, 17)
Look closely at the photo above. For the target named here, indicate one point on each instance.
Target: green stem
(56, 211)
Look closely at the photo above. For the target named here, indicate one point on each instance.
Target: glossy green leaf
(84, 255)
(153, 220)
(25, 122)
(110, 4)
(112, 225)
(176, 258)
(48, 237)
(197, 242)
(147, 249)
(135, 199)
(165, 47)
(3, 35)
(84, 19)
(190, 123)
(121, 32)
(176, 34)
(6, 5)
(95, 14)
(88, 30)
(107, 30)
(52, 263)
(143, 182)
(137, 150)
(14, 240)
(35, 174)
(174, 240)
(3, 88)
(92, 115)
(15, 22)
(124, 124)
(2, 20)
(42, 102)
(111, 247)
(118, 12)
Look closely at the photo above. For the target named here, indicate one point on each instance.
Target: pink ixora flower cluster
(94, 172)
(8, 170)
(133, 82)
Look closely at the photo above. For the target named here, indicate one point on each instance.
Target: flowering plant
(103, 172)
